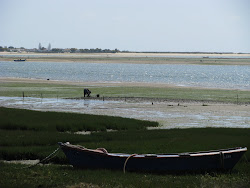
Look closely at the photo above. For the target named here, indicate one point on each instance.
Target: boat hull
(204, 161)
(20, 60)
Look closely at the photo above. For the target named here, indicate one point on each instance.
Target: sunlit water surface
(206, 76)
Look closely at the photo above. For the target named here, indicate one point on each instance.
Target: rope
(124, 166)
(49, 157)
(245, 157)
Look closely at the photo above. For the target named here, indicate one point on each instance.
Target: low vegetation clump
(16, 119)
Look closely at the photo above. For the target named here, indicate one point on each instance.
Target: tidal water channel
(205, 76)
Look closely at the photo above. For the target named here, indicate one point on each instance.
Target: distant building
(39, 46)
(49, 47)
(67, 50)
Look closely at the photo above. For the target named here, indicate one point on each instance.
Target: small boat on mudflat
(19, 59)
(224, 159)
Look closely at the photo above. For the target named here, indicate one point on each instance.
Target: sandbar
(133, 58)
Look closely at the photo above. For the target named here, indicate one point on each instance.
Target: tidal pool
(168, 114)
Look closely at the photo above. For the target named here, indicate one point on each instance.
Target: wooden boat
(19, 59)
(224, 159)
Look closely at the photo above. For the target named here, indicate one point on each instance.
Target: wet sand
(82, 83)
(169, 114)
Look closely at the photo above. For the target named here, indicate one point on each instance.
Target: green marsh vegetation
(47, 90)
(66, 176)
(34, 135)
(38, 90)
(28, 134)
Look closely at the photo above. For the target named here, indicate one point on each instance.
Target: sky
(134, 25)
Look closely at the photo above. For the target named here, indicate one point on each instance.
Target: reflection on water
(207, 76)
(51, 103)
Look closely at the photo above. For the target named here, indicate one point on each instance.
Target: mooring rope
(49, 157)
(245, 156)
(125, 163)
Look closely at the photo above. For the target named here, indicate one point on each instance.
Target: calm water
(207, 76)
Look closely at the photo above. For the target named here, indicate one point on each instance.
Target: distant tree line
(10, 48)
(42, 49)
(92, 50)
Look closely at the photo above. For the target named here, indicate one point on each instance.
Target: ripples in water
(206, 76)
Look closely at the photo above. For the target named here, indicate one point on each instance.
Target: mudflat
(172, 113)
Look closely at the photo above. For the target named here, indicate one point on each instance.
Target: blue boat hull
(200, 161)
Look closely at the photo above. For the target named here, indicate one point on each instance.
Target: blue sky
(135, 25)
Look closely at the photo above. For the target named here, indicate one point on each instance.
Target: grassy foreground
(66, 176)
(34, 135)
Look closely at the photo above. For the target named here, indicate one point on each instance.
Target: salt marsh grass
(36, 136)
(46, 90)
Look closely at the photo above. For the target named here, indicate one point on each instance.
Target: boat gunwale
(153, 156)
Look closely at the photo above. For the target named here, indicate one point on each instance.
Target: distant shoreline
(133, 58)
